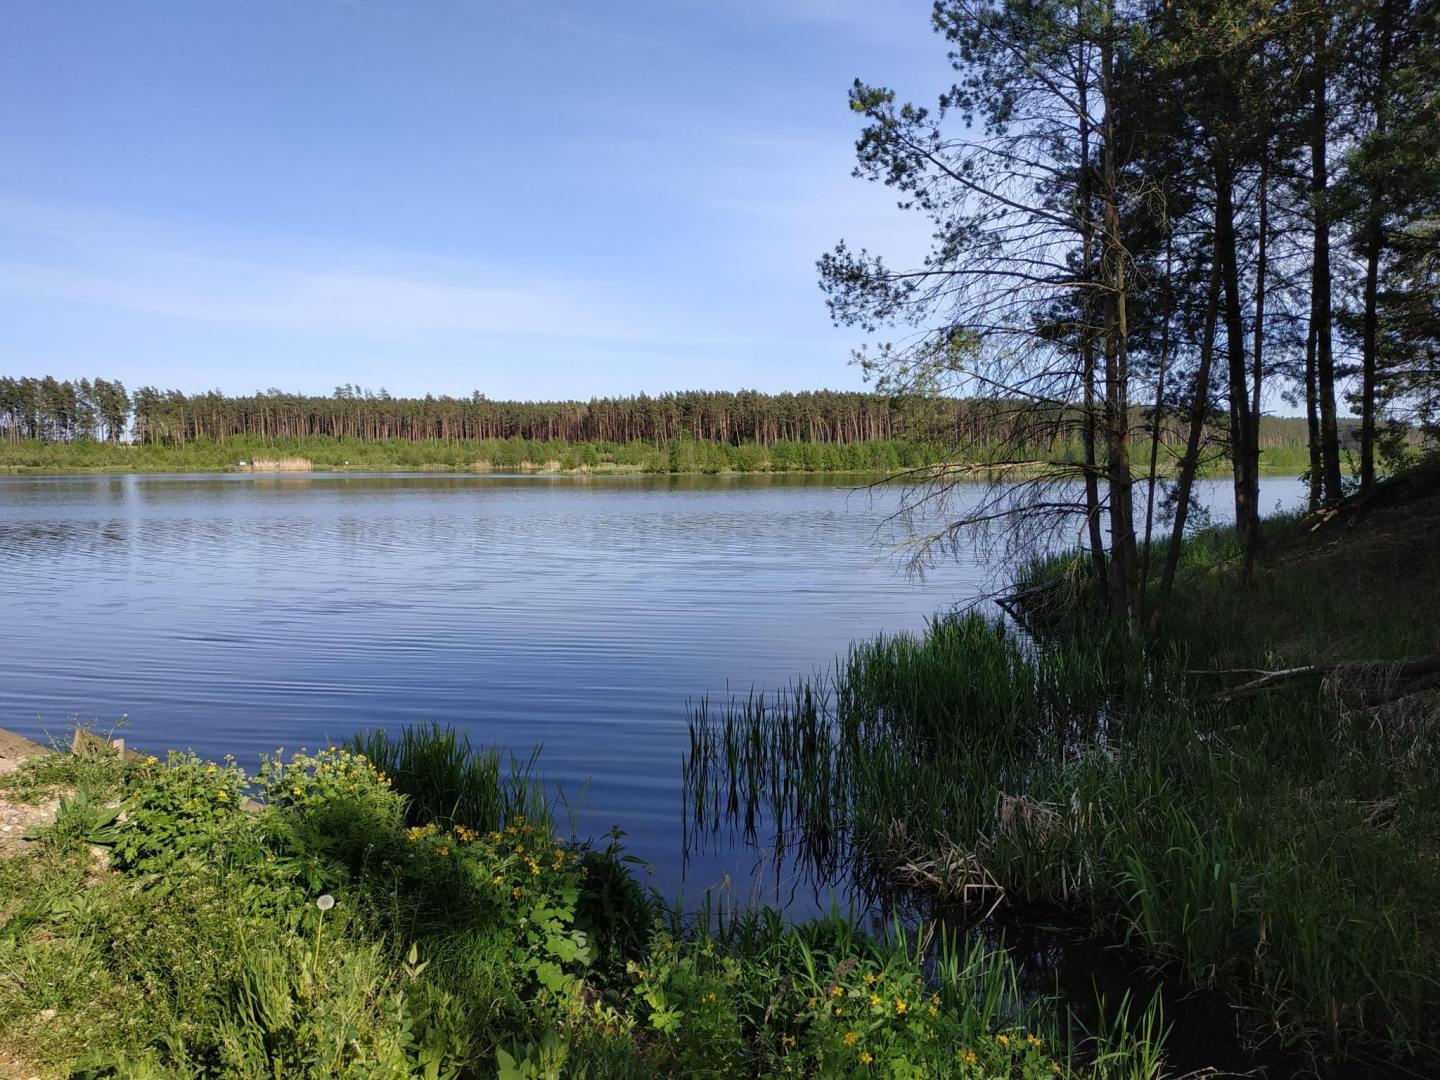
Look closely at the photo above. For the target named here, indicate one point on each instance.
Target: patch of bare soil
(17, 818)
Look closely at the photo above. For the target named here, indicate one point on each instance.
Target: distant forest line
(51, 410)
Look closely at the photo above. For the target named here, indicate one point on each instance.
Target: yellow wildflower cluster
(420, 832)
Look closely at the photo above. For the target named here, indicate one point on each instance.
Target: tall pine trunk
(1124, 582)
(1093, 524)
(1243, 455)
(1312, 421)
(1374, 242)
(1320, 303)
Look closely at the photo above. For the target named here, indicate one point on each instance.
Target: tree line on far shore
(55, 410)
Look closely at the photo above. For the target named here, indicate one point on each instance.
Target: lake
(244, 613)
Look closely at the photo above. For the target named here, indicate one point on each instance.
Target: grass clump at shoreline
(163, 927)
(1277, 846)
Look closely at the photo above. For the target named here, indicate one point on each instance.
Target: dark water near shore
(238, 614)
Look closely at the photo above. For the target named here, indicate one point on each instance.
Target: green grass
(446, 780)
(1280, 849)
(204, 943)
(676, 456)
(326, 454)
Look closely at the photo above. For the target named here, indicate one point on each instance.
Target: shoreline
(604, 470)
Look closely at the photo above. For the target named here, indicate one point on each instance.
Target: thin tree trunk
(1257, 369)
(1312, 419)
(1156, 419)
(1374, 241)
(1242, 455)
(1123, 568)
(1320, 304)
(1087, 352)
(1190, 464)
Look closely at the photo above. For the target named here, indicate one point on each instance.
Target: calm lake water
(242, 613)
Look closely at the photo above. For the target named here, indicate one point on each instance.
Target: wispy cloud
(91, 257)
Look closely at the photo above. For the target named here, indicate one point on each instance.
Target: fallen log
(1369, 682)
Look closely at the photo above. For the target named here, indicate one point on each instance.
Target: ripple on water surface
(237, 614)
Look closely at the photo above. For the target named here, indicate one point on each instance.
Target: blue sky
(536, 199)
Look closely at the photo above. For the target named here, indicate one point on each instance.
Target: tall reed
(448, 781)
(1235, 845)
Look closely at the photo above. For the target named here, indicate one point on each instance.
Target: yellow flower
(900, 1006)
(869, 979)
(443, 849)
(1003, 1040)
(1035, 1041)
(970, 1057)
(152, 760)
(498, 881)
(1055, 1067)
(934, 1011)
(866, 1057)
(222, 795)
(835, 991)
(787, 1040)
(296, 791)
(874, 999)
(209, 768)
(812, 1002)
(934, 999)
(515, 892)
(850, 1039)
(839, 1011)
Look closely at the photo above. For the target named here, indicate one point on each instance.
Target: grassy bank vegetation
(404, 907)
(880, 456)
(479, 455)
(1277, 845)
